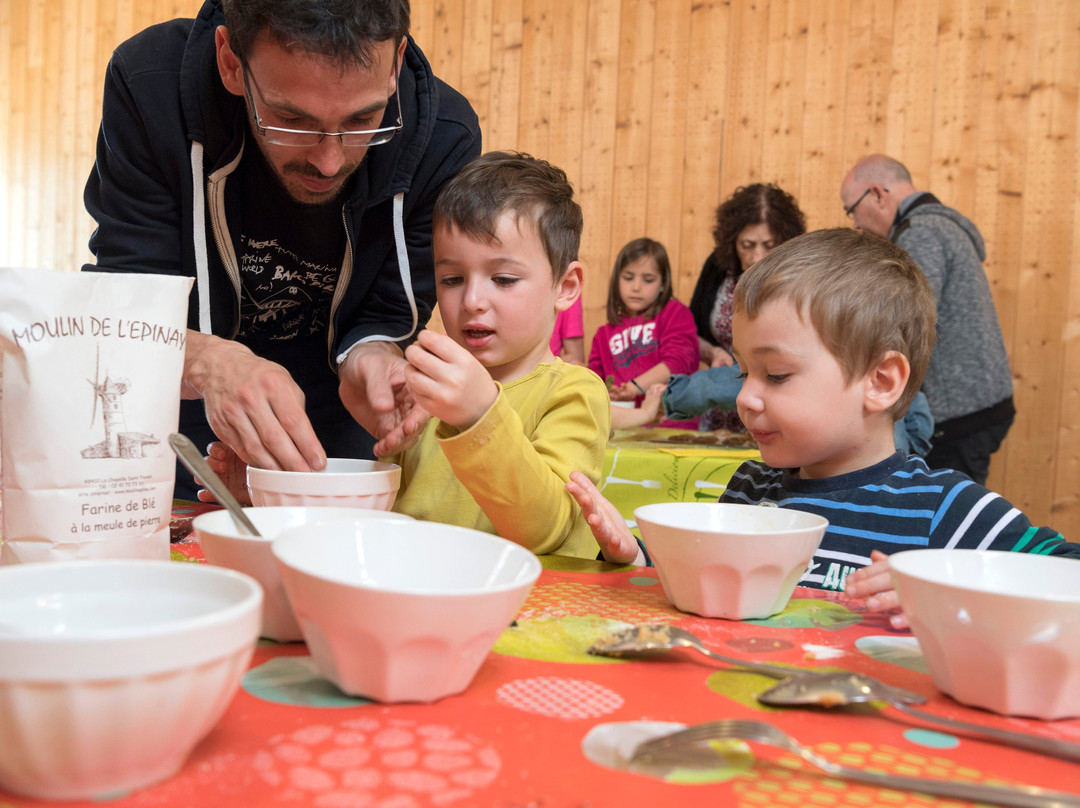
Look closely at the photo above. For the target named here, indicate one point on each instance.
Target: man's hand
(875, 584)
(373, 390)
(609, 529)
(252, 404)
(448, 381)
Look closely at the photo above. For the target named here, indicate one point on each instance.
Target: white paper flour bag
(90, 392)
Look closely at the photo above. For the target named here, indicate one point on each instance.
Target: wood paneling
(659, 109)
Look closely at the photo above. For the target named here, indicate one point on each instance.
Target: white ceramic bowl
(402, 611)
(998, 630)
(725, 560)
(225, 546)
(345, 482)
(112, 671)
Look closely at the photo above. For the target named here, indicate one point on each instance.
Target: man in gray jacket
(968, 383)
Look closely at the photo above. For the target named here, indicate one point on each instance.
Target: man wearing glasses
(968, 382)
(286, 154)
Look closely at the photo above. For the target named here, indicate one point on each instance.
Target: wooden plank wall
(659, 109)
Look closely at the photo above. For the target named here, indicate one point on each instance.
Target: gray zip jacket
(969, 369)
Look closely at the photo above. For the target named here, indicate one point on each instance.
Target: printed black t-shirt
(290, 255)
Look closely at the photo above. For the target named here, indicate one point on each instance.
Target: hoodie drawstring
(406, 278)
(202, 261)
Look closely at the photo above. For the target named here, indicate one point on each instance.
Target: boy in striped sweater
(833, 331)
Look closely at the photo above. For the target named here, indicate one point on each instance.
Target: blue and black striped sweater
(897, 504)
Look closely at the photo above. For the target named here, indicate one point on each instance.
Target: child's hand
(616, 541)
(875, 584)
(448, 381)
(649, 411)
(626, 391)
(650, 407)
(721, 358)
(227, 465)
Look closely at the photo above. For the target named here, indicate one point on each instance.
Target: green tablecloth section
(643, 466)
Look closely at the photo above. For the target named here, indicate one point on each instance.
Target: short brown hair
(512, 182)
(343, 31)
(631, 252)
(864, 296)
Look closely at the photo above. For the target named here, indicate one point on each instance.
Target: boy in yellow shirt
(510, 421)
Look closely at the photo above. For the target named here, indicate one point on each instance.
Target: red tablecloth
(544, 724)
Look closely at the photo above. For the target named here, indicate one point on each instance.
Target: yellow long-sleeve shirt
(506, 473)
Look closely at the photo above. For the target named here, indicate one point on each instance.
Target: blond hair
(863, 295)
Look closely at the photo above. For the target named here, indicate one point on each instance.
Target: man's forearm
(202, 352)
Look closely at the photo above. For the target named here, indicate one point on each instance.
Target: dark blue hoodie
(171, 135)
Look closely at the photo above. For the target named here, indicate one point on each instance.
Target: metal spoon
(652, 637)
(838, 689)
(682, 748)
(193, 460)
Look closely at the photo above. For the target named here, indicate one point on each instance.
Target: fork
(680, 744)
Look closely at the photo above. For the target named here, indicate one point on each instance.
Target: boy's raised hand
(448, 381)
(609, 529)
(875, 584)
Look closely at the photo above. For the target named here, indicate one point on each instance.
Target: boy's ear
(568, 287)
(886, 381)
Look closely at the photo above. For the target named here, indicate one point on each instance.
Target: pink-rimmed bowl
(402, 611)
(999, 630)
(344, 483)
(719, 559)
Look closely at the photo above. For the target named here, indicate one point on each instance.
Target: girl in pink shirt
(649, 334)
(568, 339)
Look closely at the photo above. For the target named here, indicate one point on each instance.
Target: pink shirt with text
(635, 345)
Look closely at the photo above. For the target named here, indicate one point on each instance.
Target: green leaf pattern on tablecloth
(812, 613)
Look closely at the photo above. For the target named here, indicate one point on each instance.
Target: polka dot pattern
(374, 763)
(558, 697)
(572, 599)
(798, 783)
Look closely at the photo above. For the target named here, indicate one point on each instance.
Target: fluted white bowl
(112, 671)
(727, 560)
(998, 630)
(344, 483)
(402, 611)
(225, 546)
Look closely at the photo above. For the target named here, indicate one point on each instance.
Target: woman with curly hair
(754, 220)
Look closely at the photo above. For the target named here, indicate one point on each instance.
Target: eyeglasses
(307, 137)
(849, 212)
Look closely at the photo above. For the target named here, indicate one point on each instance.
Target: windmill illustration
(118, 441)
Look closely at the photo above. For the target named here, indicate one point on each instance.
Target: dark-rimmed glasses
(849, 212)
(280, 136)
